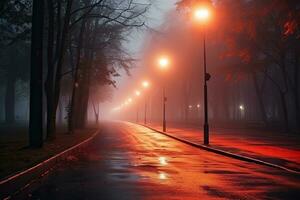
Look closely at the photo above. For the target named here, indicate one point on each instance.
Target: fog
(92, 65)
(247, 86)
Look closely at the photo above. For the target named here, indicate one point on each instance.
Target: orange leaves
(239, 76)
(290, 27)
(245, 55)
(228, 77)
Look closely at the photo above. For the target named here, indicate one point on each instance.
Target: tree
(71, 31)
(15, 19)
(36, 76)
(253, 57)
(258, 38)
(103, 29)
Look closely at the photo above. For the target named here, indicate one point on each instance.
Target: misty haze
(149, 99)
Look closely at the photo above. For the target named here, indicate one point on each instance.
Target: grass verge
(14, 157)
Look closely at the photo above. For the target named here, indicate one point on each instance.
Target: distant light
(190, 106)
(129, 100)
(145, 84)
(198, 105)
(137, 93)
(242, 107)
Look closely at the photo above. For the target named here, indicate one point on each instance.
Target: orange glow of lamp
(137, 93)
(202, 14)
(163, 63)
(145, 84)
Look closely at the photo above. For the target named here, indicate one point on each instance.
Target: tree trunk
(85, 82)
(10, 99)
(50, 74)
(260, 100)
(96, 111)
(71, 124)
(36, 76)
(60, 113)
(284, 112)
(296, 87)
(61, 55)
(83, 95)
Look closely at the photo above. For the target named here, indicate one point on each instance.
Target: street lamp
(137, 93)
(242, 107)
(145, 85)
(163, 64)
(202, 15)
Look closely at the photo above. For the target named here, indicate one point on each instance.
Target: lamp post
(164, 64)
(145, 84)
(242, 111)
(137, 93)
(202, 15)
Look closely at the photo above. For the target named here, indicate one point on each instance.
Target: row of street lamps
(145, 85)
(201, 15)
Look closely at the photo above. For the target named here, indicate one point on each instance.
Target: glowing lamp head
(242, 107)
(163, 62)
(145, 84)
(202, 14)
(137, 93)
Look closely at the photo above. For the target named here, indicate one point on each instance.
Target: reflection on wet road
(128, 161)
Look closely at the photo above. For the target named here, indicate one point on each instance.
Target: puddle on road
(162, 176)
(162, 160)
(126, 176)
(150, 167)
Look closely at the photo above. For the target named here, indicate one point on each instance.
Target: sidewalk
(271, 147)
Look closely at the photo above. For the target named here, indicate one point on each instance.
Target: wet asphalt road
(128, 161)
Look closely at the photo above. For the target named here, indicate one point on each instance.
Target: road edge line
(222, 152)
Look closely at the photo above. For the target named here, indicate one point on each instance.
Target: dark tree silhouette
(36, 76)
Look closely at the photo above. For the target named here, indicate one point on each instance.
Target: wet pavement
(129, 161)
(277, 148)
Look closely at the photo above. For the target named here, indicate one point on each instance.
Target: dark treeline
(253, 50)
(76, 50)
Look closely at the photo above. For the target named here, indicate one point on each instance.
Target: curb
(12, 184)
(224, 153)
